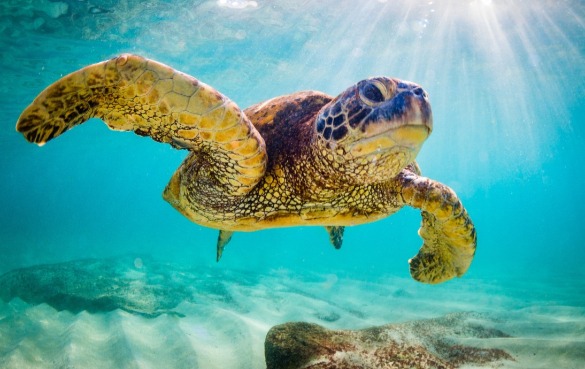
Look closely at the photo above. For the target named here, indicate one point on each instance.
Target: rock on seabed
(421, 344)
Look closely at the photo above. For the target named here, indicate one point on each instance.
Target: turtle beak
(409, 106)
(417, 105)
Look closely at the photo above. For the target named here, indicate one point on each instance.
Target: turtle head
(374, 129)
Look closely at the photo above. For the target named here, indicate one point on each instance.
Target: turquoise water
(506, 81)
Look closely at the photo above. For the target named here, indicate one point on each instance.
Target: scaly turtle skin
(300, 159)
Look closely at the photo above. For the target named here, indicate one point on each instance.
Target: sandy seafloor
(219, 318)
(506, 80)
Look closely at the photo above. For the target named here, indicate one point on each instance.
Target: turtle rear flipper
(335, 235)
(447, 230)
(223, 239)
(131, 93)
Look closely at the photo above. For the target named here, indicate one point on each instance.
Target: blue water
(506, 81)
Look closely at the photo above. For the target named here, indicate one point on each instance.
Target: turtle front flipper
(131, 93)
(447, 230)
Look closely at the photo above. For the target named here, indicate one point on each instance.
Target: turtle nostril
(418, 91)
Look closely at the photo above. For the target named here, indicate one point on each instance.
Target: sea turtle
(300, 159)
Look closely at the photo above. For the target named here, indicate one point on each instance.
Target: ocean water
(506, 81)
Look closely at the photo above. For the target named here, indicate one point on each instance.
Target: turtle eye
(372, 93)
